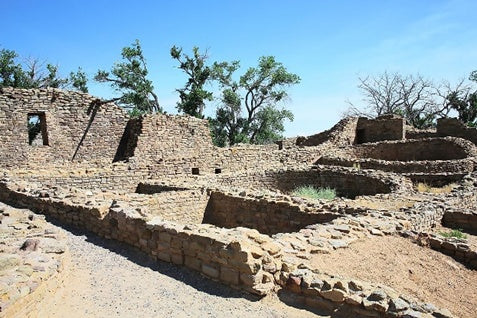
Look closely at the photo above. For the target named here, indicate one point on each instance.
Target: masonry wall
(465, 219)
(455, 128)
(166, 137)
(416, 150)
(183, 206)
(267, 217)
(341, 134)
(347, 182)
(242, 258)
(77, 128)
(379, 129)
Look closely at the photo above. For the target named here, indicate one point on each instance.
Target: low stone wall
(347, 182)
(424, 216)
(428, 167)
(351, 297)
(266, 216)
(455, 128)
(412, 133)
(455, 248)
(239, 257)
(464, 219)
(184, 206)
(417, 150)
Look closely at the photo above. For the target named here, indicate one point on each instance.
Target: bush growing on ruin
(311, 192)
(456, 233)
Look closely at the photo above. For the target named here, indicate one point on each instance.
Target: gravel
(110, 279)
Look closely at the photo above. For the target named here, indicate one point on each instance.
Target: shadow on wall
(129, 139)
(92, 111)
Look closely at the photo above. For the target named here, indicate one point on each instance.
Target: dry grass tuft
(423, 187)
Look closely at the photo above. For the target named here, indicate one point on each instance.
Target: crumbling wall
(268, 217)
(347, 182)
(416, 150)
(242, 258)
(341, 134)
(455, 128)
(388, 127)
(77, 127)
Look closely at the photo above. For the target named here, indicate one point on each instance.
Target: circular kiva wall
(429, 149)
(347, 182)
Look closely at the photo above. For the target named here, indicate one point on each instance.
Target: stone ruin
(158, 183)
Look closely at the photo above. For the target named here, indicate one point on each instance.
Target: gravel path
(109, 279)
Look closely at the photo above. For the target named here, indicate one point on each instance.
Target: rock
(335, 295)
(442, 313)
(342, 228)
(337, 243)
(376, 232)
(294, 284)
(398, 304)
(30, 245)
(377, 301)
(411, 314)
(354, 300)
(271, 247)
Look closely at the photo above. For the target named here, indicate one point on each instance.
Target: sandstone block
(210, 270)
(229, 275)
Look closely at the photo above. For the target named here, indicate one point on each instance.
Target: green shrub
(311, 192)
(454, 233)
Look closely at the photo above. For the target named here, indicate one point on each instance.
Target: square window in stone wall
(37, 131)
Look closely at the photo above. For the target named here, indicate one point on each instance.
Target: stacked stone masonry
(158, 183)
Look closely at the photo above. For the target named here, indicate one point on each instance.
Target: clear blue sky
(327, 43)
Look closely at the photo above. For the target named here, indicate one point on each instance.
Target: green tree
(130, 79)
(248, 110)
(463, 99)
(11, 73)
(31, 74)
(79, 80)
(193, 96)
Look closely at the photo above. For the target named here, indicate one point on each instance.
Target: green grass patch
(311, 192)
(454, 233)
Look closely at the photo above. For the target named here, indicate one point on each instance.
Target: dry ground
(109, 279)
(408, 268)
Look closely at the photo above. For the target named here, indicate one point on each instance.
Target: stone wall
(347, 182)
(242, 258)
(267, 217)
(182, 206)
(387, 127)
(455, 128)
(76, 127)
(417, 150)
(464, 219)
(414, 167)
(165, 137)
(341, 134)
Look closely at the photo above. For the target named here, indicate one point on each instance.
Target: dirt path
(112, 280)
(397, 262)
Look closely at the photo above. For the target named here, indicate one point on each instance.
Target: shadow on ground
(183, 274)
